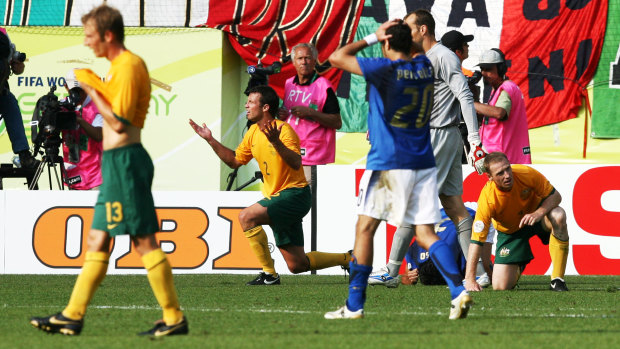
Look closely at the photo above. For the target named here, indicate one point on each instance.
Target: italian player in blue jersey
(400, 181)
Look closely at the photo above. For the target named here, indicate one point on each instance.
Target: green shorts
(515, 248)
(125, 203)
(286, 211)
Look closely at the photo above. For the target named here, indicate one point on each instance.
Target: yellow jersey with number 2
(277, 174)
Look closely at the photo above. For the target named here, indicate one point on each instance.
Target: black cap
(454, 40)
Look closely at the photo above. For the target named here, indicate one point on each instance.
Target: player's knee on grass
(295, 258)
(505, 276)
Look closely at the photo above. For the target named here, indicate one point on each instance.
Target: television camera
(50, 117)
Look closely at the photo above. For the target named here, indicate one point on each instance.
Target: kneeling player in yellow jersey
(522, 203)
(275, 146)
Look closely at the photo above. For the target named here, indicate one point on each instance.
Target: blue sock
(358, 282)
(446, 264)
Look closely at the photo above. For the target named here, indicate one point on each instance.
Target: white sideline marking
(428, 312)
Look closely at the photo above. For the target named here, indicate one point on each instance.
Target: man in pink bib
(504, 126)
(311, 108)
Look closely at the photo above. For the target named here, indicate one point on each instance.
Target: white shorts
(400, 197)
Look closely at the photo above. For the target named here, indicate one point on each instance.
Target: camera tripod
(50, 159)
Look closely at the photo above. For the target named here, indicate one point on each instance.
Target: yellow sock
(93, 271)
(322, 260)
(558, 250)
(258, 242)
(159, 274)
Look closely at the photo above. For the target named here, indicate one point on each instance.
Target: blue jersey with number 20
(400, 103)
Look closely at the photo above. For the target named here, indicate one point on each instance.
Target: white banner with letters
(44, 232)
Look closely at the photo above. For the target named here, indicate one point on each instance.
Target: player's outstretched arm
(225, 154)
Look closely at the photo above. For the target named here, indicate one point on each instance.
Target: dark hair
(107, 18)
(429, 274)
(423, 17)
(267, 96)
(401, 38)
(492, 158)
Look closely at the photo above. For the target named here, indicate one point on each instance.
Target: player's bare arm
(470, 272)
(272, 132)
(225, 154)
(550, 202)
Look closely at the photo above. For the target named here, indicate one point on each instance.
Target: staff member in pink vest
(504, 127)
(82, 147)
(311, 108)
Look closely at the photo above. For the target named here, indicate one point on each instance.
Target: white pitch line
(427, 312)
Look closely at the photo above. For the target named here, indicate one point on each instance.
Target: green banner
(354, 107)
(605, 112)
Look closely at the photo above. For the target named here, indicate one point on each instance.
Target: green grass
(224, 313)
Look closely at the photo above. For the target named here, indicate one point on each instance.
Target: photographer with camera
(82, 147)
(310, 106)
(12, 62)
(504, 125)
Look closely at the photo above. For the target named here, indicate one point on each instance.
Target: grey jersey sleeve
(452, 95)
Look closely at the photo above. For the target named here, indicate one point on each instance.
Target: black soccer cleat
(161, 329)
(58, 323)
(264, 279)
(558, 285)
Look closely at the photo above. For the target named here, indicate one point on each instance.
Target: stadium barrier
(44, 232)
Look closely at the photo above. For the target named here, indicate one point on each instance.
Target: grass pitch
(224, 313)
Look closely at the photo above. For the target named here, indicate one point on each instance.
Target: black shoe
(558, 285)
(161, 329)
(26, 160)
(58, 323)
(264, 279)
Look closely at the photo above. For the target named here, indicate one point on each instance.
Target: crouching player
(522, 203)
(275, 146)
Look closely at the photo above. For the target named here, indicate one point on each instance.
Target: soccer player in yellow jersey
(275, 146)
(521, 203)
(125, 203)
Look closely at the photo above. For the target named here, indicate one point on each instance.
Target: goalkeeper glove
(476, 157)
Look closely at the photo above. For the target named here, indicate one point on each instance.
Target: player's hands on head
(381, 36)
(203, 131)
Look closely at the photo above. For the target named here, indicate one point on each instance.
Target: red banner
(553, 47)
(268, 32)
